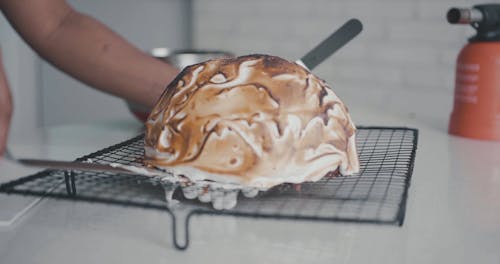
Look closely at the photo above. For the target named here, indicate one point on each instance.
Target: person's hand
(5, 108)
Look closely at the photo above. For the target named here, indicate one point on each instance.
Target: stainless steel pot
(183, 58)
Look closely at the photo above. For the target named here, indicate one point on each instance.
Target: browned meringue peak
(258, 120)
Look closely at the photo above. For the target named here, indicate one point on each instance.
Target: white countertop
(453, 212)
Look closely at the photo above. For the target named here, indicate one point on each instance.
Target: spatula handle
(334, 42)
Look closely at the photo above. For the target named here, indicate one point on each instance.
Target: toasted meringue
(257, 120)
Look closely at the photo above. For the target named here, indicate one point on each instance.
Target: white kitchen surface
(453, 213)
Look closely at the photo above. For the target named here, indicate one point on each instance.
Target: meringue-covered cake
(256, 120)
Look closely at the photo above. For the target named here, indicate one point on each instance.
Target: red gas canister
(476, 110)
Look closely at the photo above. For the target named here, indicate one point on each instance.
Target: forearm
(92, 53)
(89, 51)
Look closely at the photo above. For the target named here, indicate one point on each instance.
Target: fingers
(5, 109)
(4, 127)
(5, 117)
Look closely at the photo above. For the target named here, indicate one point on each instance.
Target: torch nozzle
(464, 15)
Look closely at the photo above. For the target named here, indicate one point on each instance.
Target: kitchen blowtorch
(476, 109)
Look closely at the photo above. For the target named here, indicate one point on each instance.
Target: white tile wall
(404, 56)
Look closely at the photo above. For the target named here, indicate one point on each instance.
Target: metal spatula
(312, 59)
(66, 165)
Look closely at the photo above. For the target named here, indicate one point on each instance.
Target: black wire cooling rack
(377, 194)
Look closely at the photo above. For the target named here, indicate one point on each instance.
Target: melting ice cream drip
(222, 196)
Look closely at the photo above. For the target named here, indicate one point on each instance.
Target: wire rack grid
(377, 194)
